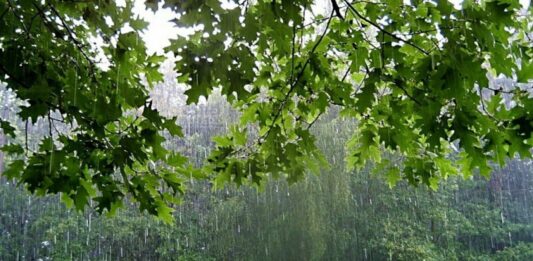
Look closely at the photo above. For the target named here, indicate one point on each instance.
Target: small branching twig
(298, 77)
(354, 11)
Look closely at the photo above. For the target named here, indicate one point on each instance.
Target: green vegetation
(411, 75)
(337, 215)
(273, 130)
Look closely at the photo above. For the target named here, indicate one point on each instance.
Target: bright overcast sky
(160, 29)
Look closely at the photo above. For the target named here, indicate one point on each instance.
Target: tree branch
(298, 77)
(70, 33)
(18, 81)
(354, 11)
(293, 50)
(4, 13)
(336, 9)
(407, 93)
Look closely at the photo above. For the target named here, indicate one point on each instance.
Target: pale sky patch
(160, 29)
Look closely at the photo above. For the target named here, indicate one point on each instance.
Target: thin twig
(383, 30)
(50, 127)
(17, 16)
(502, 90)
(482, 101)
(33, 19)
(302, 32)
(26, 138)
(407, 93)
(4, 13)
(314, 120)
(316, 21)
(298, 77)
(293, 50)
(346, 74)
(361, 83)
(70, 34)
(18, 81)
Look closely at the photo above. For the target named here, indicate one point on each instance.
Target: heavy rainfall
(199, 180)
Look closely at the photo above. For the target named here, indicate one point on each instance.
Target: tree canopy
(413, 74)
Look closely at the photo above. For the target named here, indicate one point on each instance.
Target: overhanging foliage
(410, 74)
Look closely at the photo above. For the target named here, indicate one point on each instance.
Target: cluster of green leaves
(47, 59)
(411, 74)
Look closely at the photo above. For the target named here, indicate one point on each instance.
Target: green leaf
(88, 187)
(434, 183)
(525, 74)
(164, 213)
(393, 176)
(69, 203)
(176, 159)
(173, 128)
(223, 141)
(14, 169)
(7, 128)
(12, 149)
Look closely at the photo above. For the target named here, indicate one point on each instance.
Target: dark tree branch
(10, 6)
(16, 80)
(407, 93)
(33, 19)
(314, 120)
(26, 138)
(336, 9)
(70, 33)
(4, 13)
(501, 90)
(354, 11)
(346, 73)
